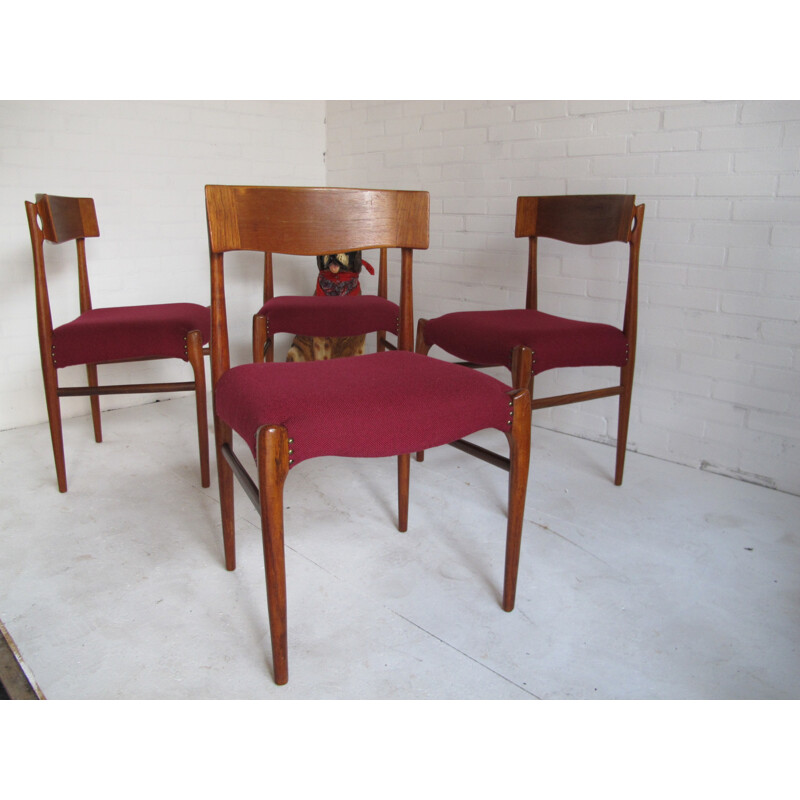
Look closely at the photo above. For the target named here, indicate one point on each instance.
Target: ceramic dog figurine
(338, 276)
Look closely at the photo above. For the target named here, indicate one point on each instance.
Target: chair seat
(374, 405)
(129, 332)
(488, 337)
(330, 316)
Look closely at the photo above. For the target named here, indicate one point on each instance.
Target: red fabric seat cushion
(325, 315)
(488, 337)
(129, 333)
(374, 405)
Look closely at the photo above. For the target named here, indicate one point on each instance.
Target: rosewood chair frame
(62, 219)
(580, 220)
(316, 221)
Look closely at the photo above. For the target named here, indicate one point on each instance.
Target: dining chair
(399, 401)
(107, 335)
(528, 341)
(326, 316)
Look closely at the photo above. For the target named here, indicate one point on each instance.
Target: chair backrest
(66, 218)
(578, 219)
(586, 219)
(311, 221)
(59, 219)
(315, 221)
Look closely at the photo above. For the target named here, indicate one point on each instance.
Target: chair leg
(273, 467)
(91, 372)
(194, 344)
(259, 338)
(223, 435)
(519, 439)
(522, 368)
(421, 347)
(403, 475)
(54, 418)
(626, 381)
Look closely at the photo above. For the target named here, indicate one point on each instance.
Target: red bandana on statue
(338, 274)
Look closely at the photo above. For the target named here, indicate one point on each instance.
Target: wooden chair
(107, 335)
(399, 401)
(528, 341)
(324, 316)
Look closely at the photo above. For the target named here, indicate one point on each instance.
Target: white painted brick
(700, 115)
(596, 106)
(628, 123)
(664, 142)
(725, 324)
(789, 185)
(770, 110)
(725, 233)
(741, 137)
(730, 279)
(761, 161)
(786, 236)
(716, 367)
(767, 307)
(694, 163)
(540, 109)
(765, 258)
(741, 185)
(751, 396)
(490, 116)
(767, 210)
(597, 145)
(627, 166)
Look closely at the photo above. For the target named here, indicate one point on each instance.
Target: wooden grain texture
(315, 221)
(579, 219)
(67, 218)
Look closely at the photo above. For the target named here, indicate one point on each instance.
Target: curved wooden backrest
(578, 219)
(66, 218)
(315, 221)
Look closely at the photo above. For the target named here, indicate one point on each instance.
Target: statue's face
(333, 263)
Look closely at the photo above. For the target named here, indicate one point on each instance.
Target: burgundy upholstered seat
(384, 391)
(489, 337)
(330, 316)
(129, 332)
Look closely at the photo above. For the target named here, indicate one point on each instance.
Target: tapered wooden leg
(54, 418)
(259, 338)
(273, 467)
(403, 475)
(522, 367)
(626, 380)
(222, 436)
(519, 439)
(194, 342)
(421, 347)
(91, 372)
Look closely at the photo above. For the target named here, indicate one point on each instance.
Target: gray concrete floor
(678, 585)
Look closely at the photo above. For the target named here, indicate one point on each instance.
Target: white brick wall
(717, 384)
(718, 370)
(146, 164)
